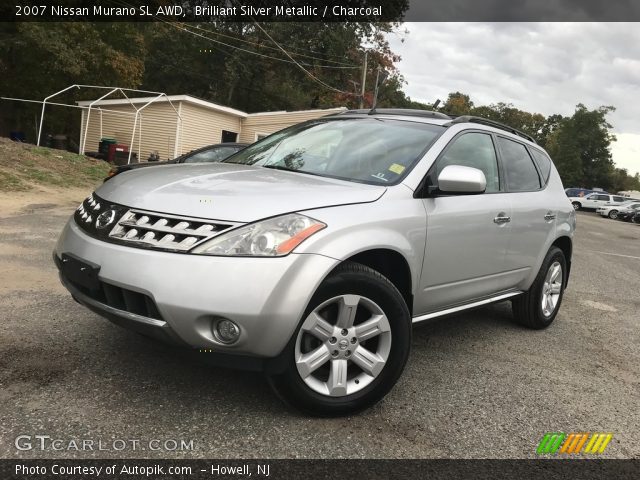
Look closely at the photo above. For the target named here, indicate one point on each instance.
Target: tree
(580, 146)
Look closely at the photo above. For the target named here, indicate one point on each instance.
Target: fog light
(226, 331)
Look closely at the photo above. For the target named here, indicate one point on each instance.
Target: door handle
(501, 218)
(550, 216)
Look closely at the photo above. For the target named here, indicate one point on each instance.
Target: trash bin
(119, 154)
(104, 144)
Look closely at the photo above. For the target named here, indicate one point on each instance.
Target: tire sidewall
(292, 387)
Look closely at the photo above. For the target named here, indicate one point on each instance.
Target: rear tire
(613, 214)
(576, 205)
(538, 307)
(336, 365)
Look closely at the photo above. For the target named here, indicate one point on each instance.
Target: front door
(467, 235)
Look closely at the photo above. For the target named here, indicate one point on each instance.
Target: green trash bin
(103, 146)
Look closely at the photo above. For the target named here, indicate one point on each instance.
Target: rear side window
(544, 164)
(619, 199)
(520, 172)
(601, 197)
(473, 150)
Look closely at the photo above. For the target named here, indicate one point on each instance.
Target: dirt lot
(476, 385)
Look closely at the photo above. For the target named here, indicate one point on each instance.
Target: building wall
(267, 123)
(202, 126)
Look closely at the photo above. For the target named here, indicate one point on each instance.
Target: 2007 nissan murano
(310, 254)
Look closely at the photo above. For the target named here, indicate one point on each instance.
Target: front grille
(120, 298)
(144, 229)
(164, 231)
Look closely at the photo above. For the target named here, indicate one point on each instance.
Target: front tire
(538, 307)
(350, 347)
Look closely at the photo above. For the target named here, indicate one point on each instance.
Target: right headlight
(274, 237)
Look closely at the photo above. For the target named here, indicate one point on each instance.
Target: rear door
(534, 210)
(467, 235)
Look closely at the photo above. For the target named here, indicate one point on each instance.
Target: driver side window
(473, 150)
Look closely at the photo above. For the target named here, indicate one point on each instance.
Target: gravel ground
(476, 385)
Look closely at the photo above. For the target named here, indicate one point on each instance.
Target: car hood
(232, 192)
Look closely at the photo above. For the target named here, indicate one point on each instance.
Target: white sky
(538, 67)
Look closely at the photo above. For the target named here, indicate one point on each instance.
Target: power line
(275, 48)
(186, 29)
(307, 72)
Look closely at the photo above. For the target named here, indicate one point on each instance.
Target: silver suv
(310, 254)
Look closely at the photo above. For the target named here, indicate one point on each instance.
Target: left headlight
(274, 237)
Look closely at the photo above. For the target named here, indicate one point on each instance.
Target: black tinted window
(602, 197)
(520, 172)
(474, 150)
(618, 199)
(544, 164)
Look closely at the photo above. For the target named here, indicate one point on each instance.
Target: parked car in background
(636, 217)
(316, 249)
(614, 211)
(580, 192)
(210, 153)
(596, 200)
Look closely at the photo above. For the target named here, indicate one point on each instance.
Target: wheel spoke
(309, 362)
(371, 363)
(549, 304)
(556, 288)
(372, 328)
(337, 383)
(555, 272)
(318, 327)
(347, 310)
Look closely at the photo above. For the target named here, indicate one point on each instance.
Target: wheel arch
(565, 244)
(391, 264)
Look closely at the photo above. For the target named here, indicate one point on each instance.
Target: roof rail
(490, 123)
(399, 111)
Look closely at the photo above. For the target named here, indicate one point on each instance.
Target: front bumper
(266, 297)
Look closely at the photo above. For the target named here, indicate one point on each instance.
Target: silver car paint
(236, 193)
(455, 251)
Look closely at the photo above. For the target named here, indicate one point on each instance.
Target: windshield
(369, 150)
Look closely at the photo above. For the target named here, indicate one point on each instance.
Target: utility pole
(378, 81)
(364, 79)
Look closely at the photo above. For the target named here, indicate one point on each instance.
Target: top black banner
(321, 11)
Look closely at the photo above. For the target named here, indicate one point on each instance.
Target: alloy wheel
(551, 289)
(343, 345)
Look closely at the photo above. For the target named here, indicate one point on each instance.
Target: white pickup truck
(596, 200)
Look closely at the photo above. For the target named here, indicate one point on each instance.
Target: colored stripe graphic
(572, 443)
(580, 443)
(550, 443)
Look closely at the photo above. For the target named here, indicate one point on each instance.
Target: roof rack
(490, 123)
(399, 111)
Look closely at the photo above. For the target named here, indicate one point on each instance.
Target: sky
(538, 67)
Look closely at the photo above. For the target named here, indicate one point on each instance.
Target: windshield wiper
(287, 169)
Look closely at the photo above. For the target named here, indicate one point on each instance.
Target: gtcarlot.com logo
(46, 442)
(574, 443)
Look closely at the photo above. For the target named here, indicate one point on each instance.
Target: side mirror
(459, 180)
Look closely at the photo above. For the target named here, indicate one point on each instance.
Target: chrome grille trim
(165, 231)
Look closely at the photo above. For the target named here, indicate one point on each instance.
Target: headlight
(269, 238)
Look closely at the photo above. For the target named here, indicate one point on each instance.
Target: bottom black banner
(317, 469)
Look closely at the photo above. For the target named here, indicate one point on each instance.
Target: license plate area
(81, 272)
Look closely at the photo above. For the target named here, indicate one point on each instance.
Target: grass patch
(22, 165)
